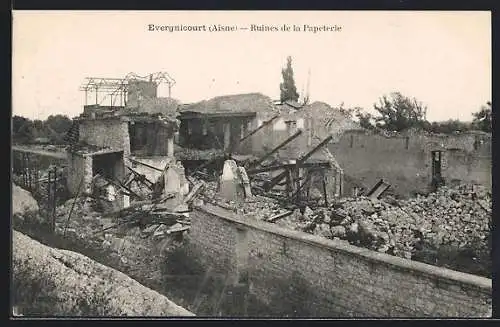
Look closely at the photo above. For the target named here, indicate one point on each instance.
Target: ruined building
(106, 140)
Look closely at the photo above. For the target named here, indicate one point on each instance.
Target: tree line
(397, 112)
(51, 130)
(394, 112)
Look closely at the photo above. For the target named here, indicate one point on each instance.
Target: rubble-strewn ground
(141, 249)
(449, 228)
(263, 207)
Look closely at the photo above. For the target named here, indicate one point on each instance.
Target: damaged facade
(273, 134)
(107, 140)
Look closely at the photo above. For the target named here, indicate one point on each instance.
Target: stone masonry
(329, 278)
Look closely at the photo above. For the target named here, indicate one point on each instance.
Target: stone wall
(151, 138)
(79, 171)
(106, 132)
(139, 91)
(405, 161)
(320, 277)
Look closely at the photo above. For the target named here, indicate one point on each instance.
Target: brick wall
(107, 132)
(314, 276)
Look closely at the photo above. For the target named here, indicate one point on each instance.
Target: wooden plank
(279, 216)
(178, 230)
(144, 164)
(378, 189)
(194, 192)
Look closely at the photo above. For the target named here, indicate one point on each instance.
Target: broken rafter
(264, 124)
(119, 184)
(276, 149)
(281, 176)
(145, 165)
(140, 178)
(196, 189)
(231, 148)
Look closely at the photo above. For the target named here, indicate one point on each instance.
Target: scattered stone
(338, 231)
(308, 213)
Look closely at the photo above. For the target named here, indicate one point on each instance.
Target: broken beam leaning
(144, 164)
(278, 178)
(236, 145)
(378, 189)
(264, 124)
(273, 151)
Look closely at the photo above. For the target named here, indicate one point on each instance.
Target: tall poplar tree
(287, 87)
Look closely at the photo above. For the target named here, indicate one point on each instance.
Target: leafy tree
(448, 127)
(287, 87)
(22, 129)
(347, 112)
(398, 112)
(482, 118)
(365, 119)
(39, 129)
(58, 123)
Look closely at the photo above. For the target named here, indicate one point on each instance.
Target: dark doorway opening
(109, 165)
(437, 178)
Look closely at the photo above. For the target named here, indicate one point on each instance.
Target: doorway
(437, 178)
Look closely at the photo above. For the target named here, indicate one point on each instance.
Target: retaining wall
(315, 276)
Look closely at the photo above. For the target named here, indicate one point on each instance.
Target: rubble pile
(128, 233)
(183, 153)
(259, 207)
(458, 218)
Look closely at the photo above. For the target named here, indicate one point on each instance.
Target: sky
(442, 58)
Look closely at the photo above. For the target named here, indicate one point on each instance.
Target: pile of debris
(456, 217)
(259, 207)
(183, 153)
(128, 233)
